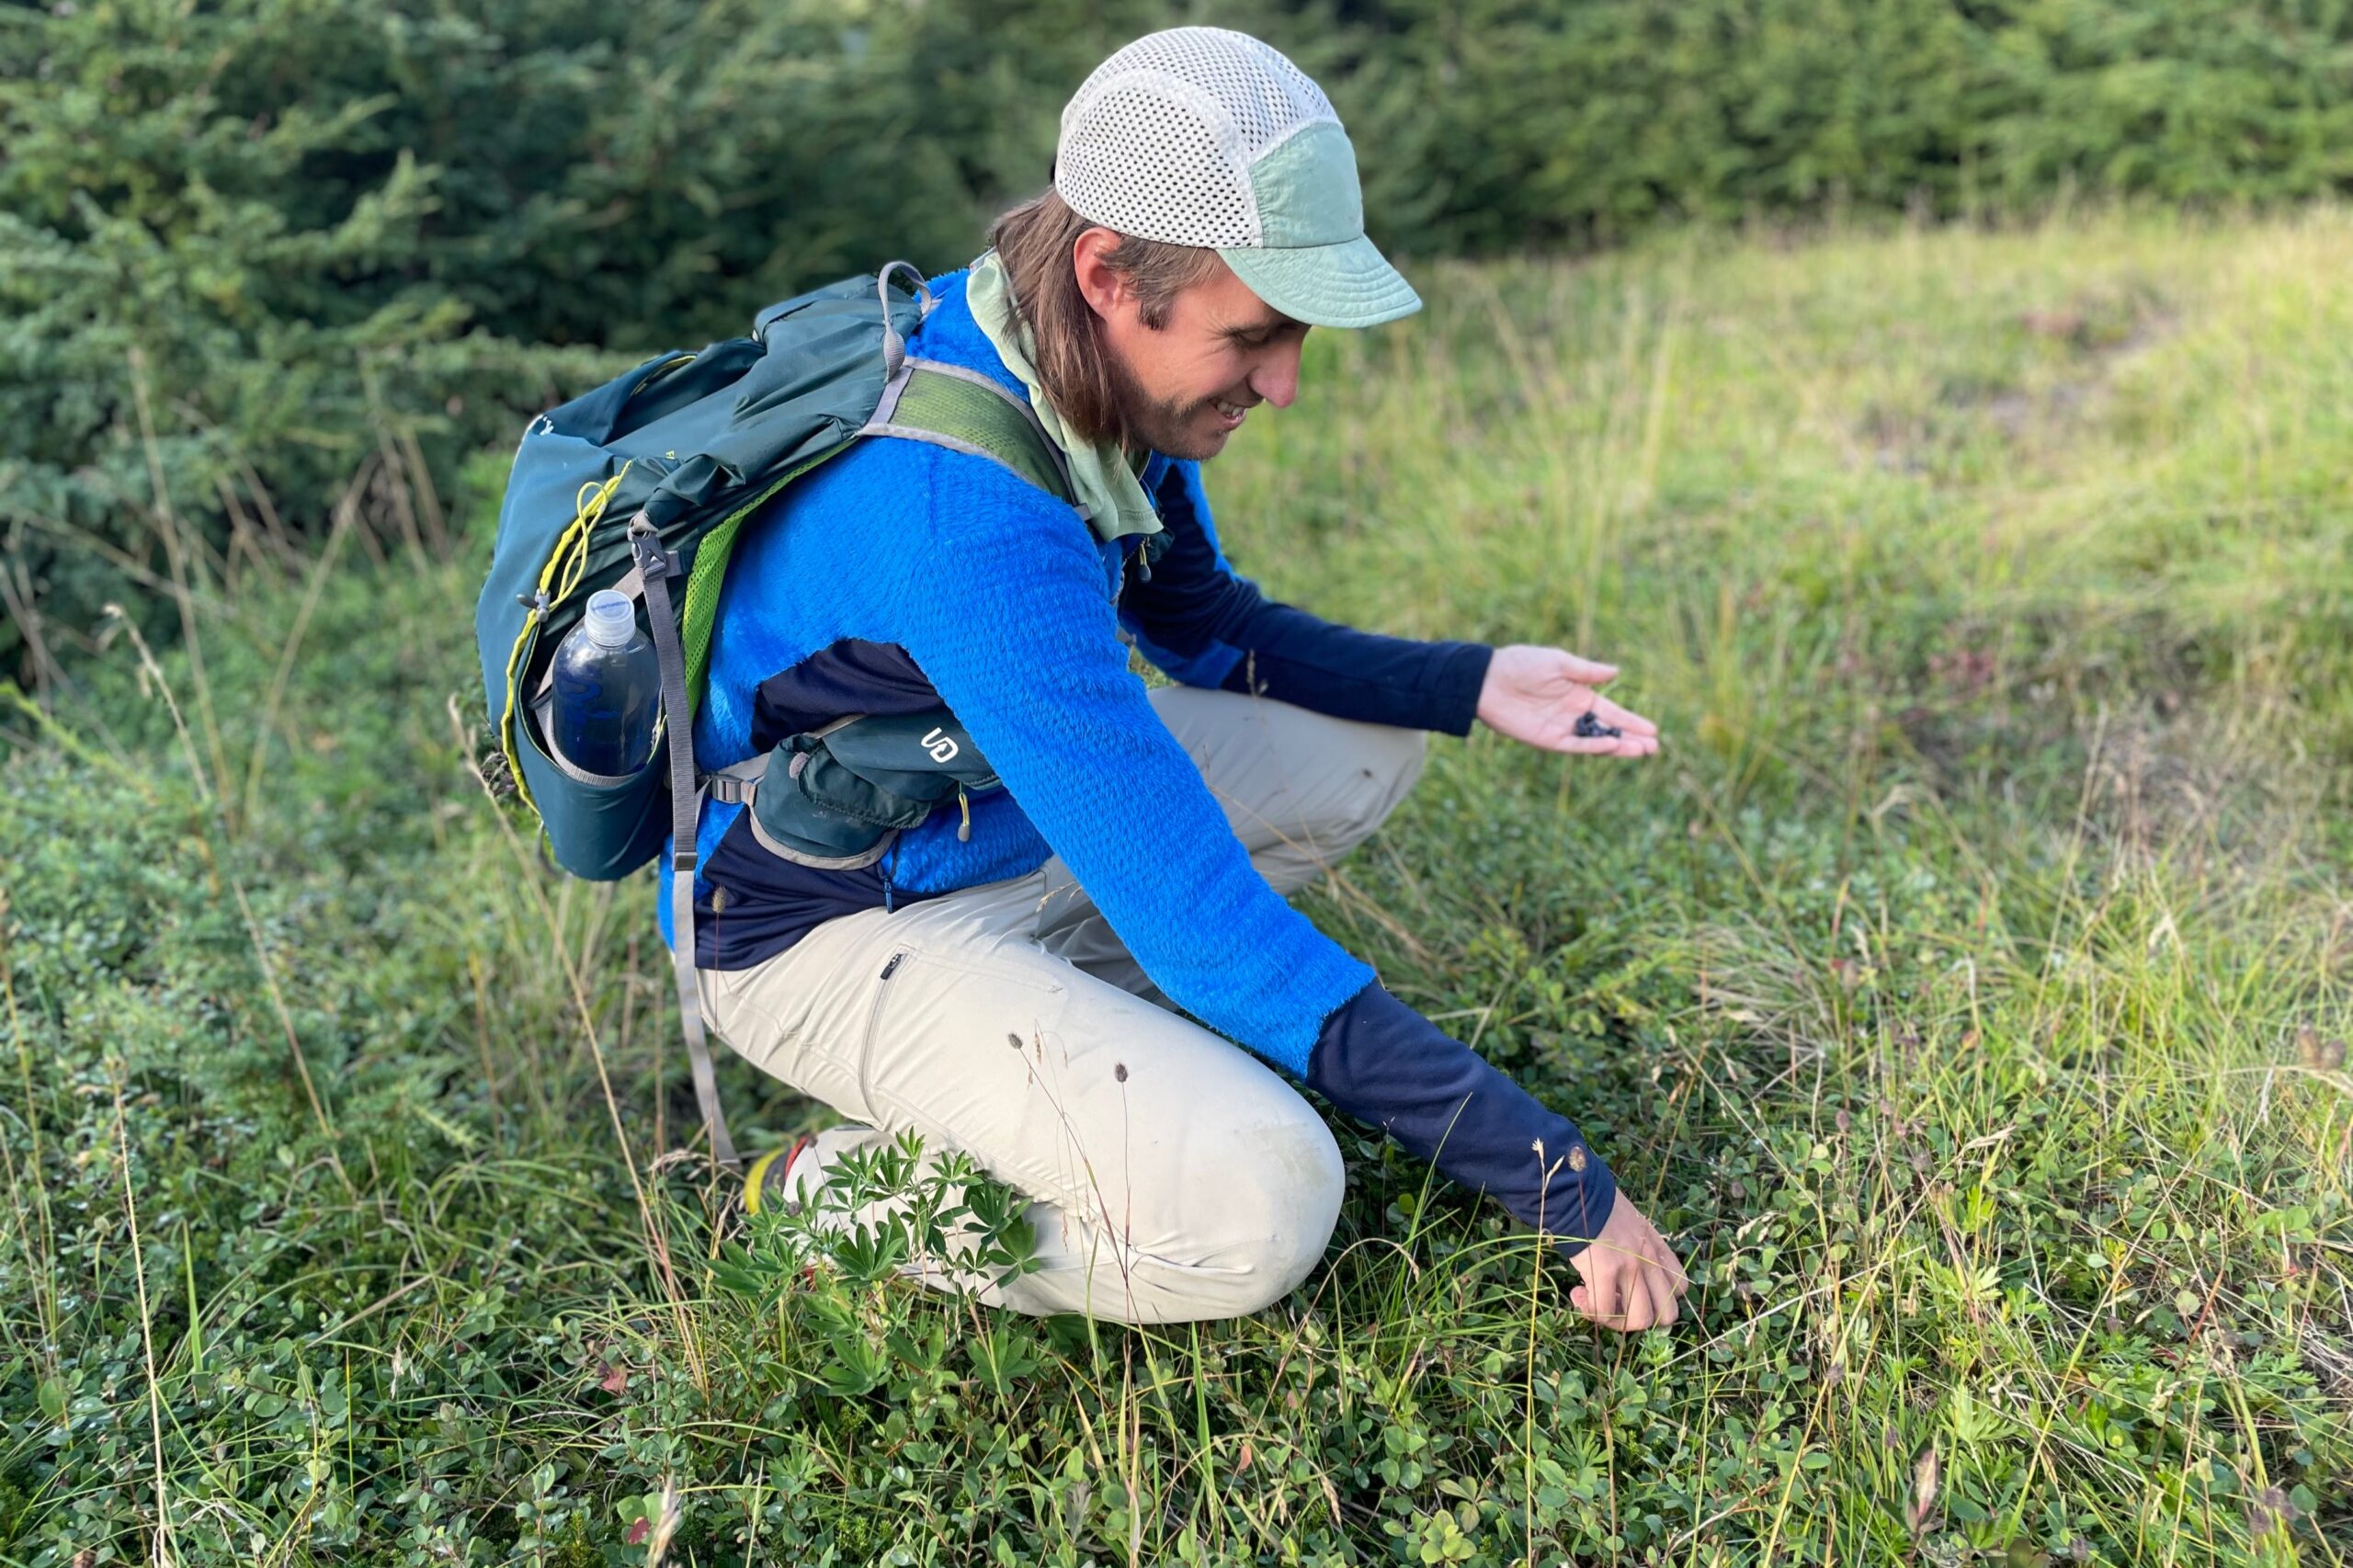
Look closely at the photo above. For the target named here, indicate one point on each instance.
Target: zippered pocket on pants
(874, 1020)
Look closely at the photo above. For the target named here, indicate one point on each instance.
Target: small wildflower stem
(161, 1554)
(1527, 1383)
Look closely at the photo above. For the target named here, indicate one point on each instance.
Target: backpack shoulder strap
(949, 405)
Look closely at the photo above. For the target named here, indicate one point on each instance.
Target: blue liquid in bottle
(607, 691)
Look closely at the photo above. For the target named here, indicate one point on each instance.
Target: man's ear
(1105, 289)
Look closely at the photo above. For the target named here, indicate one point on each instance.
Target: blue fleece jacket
(899, 578)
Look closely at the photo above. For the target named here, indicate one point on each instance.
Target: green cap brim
(1348, 285)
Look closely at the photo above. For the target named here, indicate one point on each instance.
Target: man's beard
(1171, 429)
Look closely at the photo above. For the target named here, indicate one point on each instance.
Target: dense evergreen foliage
(332, 240)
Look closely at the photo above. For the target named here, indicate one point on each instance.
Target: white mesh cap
(1200, 136)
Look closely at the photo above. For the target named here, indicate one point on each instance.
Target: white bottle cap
(611, 620)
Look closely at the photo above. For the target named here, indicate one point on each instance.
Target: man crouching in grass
(1018, 976)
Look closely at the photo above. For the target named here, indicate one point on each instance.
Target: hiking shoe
(777, 1163)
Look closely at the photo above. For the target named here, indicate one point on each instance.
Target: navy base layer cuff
(1381, 1061)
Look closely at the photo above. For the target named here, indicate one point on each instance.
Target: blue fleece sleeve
(1196, 619)
(1007, 612)
(1381, 1061)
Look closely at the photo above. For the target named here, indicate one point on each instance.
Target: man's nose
(1276, 379)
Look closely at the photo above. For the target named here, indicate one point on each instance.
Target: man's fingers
(1642, 1311)
(1626, 1298)
(1637, 736)
(1599, 1301)
(1632, 1284)
(1651, 1296)
(1662, 1266)
(1626, 718)
(1608, 746)
(1587, 672)
(1630, 1280)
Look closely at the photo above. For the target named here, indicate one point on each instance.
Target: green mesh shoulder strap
(925, 400)
(963, 410)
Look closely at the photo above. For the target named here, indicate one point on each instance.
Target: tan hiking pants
(1173, 1176)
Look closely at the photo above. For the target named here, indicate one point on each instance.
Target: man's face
(1188, 385)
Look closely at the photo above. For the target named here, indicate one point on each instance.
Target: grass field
(1963, 989)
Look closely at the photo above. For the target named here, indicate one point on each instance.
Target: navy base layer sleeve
(1381, 1061)
(1207, 625)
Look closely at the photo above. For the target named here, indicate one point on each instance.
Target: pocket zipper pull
(964, 828)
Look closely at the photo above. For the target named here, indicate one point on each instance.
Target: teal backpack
(642, 485)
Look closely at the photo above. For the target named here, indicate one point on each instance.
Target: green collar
(1107, 486)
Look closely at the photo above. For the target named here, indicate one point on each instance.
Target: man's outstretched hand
(1632, 1281)
(1537, 695)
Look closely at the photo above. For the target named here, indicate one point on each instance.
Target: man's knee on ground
(1265, 1206)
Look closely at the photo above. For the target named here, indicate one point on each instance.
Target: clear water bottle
(607, 691)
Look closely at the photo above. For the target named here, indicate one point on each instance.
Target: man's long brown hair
(1074, 364)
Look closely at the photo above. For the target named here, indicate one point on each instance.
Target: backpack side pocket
(599, 827)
